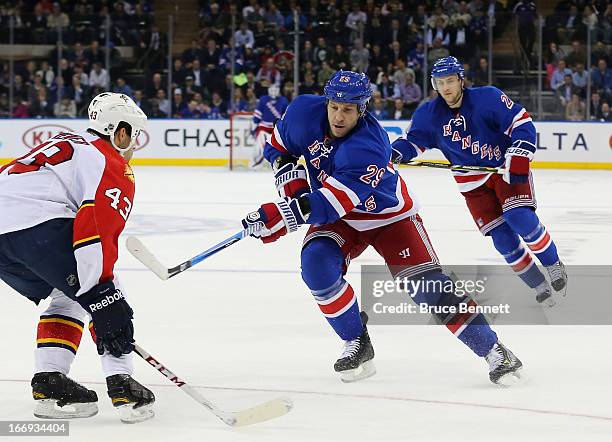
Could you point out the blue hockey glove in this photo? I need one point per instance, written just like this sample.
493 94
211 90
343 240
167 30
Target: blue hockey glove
516 169
290 178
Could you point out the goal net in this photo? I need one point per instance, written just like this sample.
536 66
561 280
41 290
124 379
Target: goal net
241 142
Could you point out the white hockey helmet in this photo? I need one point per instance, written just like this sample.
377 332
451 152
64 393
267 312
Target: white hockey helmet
273 90
108 109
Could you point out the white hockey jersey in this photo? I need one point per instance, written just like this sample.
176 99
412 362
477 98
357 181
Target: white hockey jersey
72 176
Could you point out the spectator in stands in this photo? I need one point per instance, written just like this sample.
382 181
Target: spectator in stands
191 53
309 86
596 104
438 31
197 73
605 114
462 14
554 53
437 51
4 106
325 73
151 47
121 87
410 93
21 110
580 78
576 56
575 110
46 71
239 103
178 104
41 107
163 104
602 77
268 72
253 12
356 22
190 88
38 25
225 57
399 112
210 56
569 25
66 108
401 73
566 90
478 30
263 37
244 36
378 109
481 73
385 87
98 78
559 75
57 90
58 19
459 44
79 93
302 19
94 54
21 91
416 60
36 85
359 57
218 107
273 17
192 111
251 100
339 59
600 52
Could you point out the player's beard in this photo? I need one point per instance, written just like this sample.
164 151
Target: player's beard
456 101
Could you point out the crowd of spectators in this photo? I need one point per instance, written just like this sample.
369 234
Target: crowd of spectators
566 58
387 39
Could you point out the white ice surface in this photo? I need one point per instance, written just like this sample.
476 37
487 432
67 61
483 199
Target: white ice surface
243 328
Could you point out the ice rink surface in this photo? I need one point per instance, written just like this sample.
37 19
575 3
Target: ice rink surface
243 328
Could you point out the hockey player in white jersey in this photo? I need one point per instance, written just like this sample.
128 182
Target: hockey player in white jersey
64 205
270 108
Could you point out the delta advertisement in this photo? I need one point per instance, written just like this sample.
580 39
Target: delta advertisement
206 142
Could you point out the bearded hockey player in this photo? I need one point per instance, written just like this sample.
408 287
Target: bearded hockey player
269 109
64 205
354 198
481 126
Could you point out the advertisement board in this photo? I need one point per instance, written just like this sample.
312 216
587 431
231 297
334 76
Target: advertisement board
206 142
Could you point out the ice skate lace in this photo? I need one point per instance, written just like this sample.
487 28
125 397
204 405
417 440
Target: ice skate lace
556 272
495 357
350 348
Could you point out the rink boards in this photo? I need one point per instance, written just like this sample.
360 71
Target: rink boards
562 144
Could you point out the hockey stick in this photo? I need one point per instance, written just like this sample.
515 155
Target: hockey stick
442 165
259 413
142 254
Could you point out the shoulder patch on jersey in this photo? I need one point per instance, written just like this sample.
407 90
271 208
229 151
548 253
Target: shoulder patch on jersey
129 173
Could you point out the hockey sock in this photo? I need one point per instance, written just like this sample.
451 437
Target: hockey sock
470 328
525 222
58 335
322 262
508 243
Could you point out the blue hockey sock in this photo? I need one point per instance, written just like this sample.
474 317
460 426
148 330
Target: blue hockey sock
508 243
471 328
322 262
525 222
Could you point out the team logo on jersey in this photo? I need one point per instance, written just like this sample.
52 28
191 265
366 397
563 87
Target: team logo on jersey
129 173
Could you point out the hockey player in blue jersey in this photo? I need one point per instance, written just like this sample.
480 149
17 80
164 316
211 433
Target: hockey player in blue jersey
269 109
353 198
481 126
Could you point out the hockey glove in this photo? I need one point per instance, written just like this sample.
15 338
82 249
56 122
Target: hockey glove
290 178
516 169
273 220
112 318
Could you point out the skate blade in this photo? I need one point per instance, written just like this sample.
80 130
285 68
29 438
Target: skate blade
510 379
364 371
48 409
130 415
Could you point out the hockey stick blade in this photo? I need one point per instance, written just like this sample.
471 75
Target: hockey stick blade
259 413
142 254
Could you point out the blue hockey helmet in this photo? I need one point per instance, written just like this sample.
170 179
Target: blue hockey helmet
349 87
444 67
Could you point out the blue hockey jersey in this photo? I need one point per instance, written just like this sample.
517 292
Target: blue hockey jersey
478 134
268 111
351 177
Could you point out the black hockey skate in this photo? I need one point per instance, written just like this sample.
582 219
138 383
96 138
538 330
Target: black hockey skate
558 277
544 295
504 367
355 362
133 401
59 397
